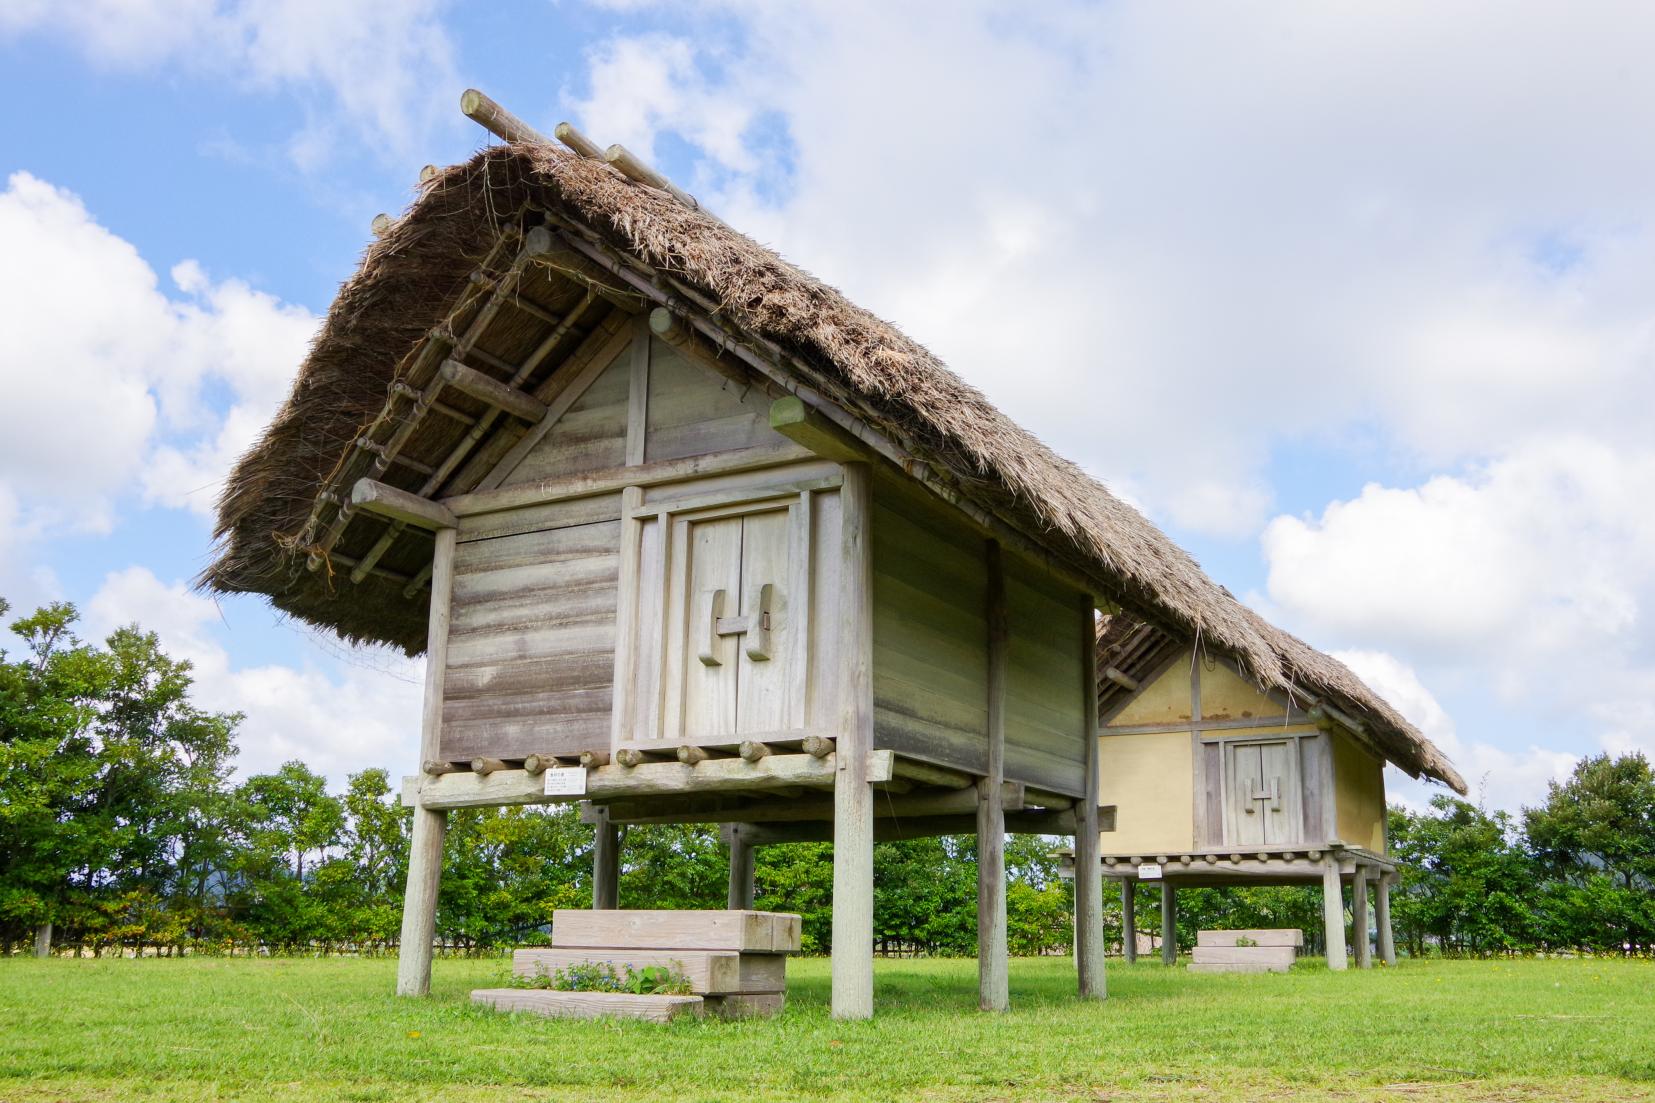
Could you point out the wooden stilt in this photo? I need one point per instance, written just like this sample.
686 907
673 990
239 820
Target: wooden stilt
1169 923
43 939
852 794
606 865
1382 920
1333 914
419 902
993 981
1129 920
1359 919
1088 849
742 855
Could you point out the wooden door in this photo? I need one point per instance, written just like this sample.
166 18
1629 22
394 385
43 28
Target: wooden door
716 643
1261 793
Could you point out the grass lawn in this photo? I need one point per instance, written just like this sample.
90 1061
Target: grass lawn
301 1029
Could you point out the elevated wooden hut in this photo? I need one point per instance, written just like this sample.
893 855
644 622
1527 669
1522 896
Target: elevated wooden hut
687 536
1216 780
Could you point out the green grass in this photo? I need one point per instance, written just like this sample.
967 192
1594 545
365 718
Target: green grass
300 1029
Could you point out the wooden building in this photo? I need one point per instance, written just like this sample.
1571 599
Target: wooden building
687 536
1216 780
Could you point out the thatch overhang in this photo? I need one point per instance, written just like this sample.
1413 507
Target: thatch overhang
1132 651
450 275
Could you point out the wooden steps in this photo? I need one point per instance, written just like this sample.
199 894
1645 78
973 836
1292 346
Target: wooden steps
734 962
1250 951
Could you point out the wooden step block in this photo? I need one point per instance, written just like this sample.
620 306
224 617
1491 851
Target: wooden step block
752 1005
1274 936
1237 967
590 1005
745 931
1244 955
710 972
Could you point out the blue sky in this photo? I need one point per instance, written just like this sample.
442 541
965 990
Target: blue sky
1348 301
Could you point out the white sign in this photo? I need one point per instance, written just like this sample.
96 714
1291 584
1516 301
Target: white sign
1149 871
565 781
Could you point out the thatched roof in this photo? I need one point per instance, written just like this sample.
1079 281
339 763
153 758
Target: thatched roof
412 278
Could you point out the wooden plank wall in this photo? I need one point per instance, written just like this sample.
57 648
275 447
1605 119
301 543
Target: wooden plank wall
531 649
930 635
591 434
692 412
1045 718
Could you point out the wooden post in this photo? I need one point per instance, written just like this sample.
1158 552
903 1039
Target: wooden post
1169 923
1333 913
852 794
993 981
1382 920
606 865
1129 920
742 855
1088 850
419 902
43 939
1359 918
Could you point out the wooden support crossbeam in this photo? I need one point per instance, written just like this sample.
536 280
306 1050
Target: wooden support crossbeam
950 802
491 391
715 775
399 505
894 828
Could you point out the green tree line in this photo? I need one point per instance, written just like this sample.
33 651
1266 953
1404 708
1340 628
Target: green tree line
123 828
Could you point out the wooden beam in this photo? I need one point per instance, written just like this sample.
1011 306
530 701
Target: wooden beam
1359 919
1382 919
606 864
716 775
497 120
1122 679
399 505
1089 948
993 983
1129 920
897 828
631 166
1333 914
952 802
740 896
419 907
926 773
575 140
487 389
853 820
1169 923
801 424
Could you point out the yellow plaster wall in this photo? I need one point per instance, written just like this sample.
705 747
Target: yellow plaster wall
1150 779
1225 695
1164 700
1359 795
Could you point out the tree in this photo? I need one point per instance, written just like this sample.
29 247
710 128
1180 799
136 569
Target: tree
1467 881
1601 818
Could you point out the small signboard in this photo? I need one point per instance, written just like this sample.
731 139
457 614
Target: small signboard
565 781
1148 871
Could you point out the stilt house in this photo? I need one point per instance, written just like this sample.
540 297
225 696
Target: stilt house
1217 780
686 536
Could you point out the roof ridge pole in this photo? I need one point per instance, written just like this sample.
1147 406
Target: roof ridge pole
495 119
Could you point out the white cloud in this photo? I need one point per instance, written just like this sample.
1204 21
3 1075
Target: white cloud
1167 237
1498 777
383 67
106 374
364 710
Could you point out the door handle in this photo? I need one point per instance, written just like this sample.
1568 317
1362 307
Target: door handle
715 613
758 623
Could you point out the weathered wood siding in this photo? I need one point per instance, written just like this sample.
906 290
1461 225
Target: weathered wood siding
930 635
693 412
1045 701
532 634
930 658
591 434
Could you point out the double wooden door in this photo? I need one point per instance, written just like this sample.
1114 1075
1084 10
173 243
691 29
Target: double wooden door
1261 793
